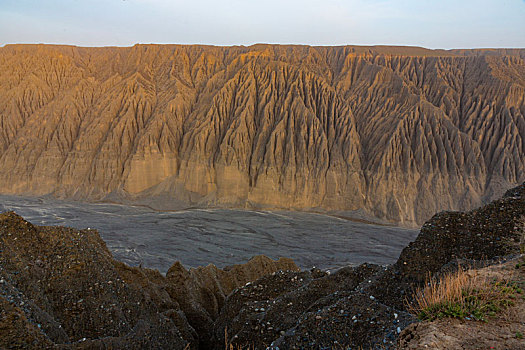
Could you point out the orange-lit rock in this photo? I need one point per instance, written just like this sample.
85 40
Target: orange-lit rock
399 132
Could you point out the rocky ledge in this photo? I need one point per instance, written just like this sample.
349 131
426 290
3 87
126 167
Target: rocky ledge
61 288
366 306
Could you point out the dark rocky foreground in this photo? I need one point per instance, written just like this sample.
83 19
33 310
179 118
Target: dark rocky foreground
61 288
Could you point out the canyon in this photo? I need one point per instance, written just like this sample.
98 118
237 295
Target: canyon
395 133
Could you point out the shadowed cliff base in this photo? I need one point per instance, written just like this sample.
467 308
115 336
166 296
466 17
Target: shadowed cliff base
61 288
399 132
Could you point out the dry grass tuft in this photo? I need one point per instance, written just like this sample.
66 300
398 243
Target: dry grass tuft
449 289
462 295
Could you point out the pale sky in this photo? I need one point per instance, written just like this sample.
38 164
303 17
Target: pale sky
433 24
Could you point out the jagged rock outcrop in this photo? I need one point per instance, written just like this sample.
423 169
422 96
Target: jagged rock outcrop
201 292
366 306
61 288
493 231
66 289
309 310
399 132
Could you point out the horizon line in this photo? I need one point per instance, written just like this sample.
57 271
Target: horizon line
262 43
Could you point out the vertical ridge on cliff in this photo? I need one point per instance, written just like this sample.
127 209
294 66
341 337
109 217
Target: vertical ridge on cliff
397 131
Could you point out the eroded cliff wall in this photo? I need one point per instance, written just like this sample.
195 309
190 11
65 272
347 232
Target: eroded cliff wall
399 132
